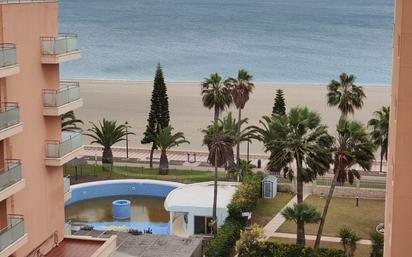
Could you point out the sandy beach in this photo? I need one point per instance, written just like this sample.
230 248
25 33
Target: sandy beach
130 101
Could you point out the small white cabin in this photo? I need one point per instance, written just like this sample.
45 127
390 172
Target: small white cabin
269 187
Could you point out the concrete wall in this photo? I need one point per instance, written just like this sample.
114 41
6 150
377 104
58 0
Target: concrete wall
41 202
398 222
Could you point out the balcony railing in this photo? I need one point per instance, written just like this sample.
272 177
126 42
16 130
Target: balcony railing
66 181
67 93
9 115
70 142
11 174
13 231
62 44
26 1
8 55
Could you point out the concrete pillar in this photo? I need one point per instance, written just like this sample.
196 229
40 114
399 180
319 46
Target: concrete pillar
171 217
190 224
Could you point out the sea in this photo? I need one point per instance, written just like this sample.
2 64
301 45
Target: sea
286 41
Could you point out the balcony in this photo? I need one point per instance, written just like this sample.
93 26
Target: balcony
67 191
59 49
65 150
10 124
11 179
13 236
59 101
8 60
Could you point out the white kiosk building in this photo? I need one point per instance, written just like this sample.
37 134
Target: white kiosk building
190 207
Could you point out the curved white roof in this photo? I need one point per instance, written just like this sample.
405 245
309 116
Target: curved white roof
200 195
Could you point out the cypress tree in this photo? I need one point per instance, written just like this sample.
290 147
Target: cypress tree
159 111
279 108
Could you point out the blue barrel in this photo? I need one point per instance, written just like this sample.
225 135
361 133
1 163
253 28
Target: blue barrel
121 209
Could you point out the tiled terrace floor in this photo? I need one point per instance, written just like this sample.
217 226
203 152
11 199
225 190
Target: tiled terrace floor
75 248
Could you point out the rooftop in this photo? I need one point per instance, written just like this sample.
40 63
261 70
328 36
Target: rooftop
82 247
148 245
200 195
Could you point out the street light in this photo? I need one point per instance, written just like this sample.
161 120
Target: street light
127 141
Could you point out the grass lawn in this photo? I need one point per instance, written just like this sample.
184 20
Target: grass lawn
343 213
266 209
361 251
182 176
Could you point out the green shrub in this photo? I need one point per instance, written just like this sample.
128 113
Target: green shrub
244 200
377 244
271 249
225 239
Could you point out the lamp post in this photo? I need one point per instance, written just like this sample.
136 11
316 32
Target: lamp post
127 141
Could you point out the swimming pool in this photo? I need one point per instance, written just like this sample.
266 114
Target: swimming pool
91 204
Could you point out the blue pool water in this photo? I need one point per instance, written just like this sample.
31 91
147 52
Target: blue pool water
276 40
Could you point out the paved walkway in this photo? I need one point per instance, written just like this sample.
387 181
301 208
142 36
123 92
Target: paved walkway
313 238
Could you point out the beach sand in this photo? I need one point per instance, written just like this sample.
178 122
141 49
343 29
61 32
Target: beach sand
130 101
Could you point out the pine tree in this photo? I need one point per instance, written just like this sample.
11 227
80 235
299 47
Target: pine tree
279 108
159 111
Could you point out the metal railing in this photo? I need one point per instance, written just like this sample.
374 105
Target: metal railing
64 43
69 91
70 142
9 115
26 1
10 174
66 183
12 232
8 55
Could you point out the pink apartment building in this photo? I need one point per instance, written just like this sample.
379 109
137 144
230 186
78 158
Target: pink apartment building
32 146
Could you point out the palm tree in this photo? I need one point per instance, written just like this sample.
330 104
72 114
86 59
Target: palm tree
215 94
220 144
349 240
380 132
70 123
345 94
164 139
353 147
377 244
297 138
232 126
245 167
241 88
301 213
107 133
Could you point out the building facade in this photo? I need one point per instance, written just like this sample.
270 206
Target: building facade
398 223
33 147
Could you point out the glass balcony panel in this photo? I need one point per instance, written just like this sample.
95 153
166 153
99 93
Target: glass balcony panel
8 55
67 93
66 181
9 115
70 142
59 45
12 174
11 233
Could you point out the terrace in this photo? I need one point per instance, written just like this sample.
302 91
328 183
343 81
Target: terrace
59 49
8 60
59 101
13 236
10 123
11 180
58 152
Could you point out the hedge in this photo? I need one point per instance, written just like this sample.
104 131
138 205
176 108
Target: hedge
244 200
272 249
226 238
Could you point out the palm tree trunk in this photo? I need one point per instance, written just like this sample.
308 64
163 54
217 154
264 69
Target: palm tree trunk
300 226
381 164
215 198
300 235
326 208
107 157
163 164
151 156
238 143
216 118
